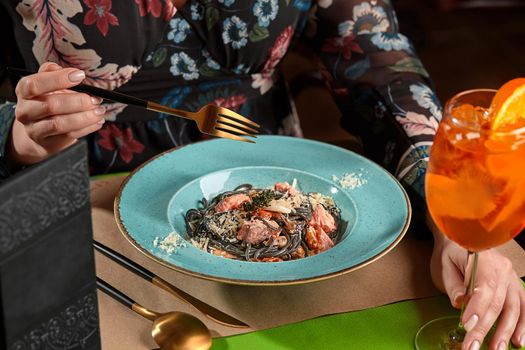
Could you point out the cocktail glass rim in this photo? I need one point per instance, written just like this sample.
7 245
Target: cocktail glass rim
449 106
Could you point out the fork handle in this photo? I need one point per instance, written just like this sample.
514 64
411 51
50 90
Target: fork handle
92 90
111 95
152 106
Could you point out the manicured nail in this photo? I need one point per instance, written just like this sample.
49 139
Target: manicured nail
101 121
474 345
502 345
77 76
49 64
456 298
100 110
471 323
96 100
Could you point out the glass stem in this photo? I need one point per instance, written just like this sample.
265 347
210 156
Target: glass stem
456 336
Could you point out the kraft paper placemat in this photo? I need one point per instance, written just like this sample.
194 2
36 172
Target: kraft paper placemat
402 274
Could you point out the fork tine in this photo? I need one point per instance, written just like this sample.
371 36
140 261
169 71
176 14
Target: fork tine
233 130
234 124
225 112
228 135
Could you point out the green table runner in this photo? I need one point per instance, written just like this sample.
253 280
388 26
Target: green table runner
387 327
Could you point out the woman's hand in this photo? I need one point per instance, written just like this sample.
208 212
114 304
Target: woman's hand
498 293
49 117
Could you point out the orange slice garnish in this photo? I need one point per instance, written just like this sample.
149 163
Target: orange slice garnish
508 105
463 198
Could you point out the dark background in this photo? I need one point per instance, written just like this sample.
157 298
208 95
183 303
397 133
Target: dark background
474 44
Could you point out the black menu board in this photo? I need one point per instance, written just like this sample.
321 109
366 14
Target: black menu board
47 274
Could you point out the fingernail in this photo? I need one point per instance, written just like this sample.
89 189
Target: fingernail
49 63
522 340
100 110
474 345
96 100
458 295
101 121
77 76
502 345
471 323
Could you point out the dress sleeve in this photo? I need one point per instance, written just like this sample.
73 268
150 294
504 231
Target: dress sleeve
7 116
381 86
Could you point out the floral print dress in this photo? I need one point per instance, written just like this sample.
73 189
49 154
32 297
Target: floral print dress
227 52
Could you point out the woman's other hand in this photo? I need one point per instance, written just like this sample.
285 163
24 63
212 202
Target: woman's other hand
498 293
48 117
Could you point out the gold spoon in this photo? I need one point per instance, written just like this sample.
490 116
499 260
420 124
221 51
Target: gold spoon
210 312
171 331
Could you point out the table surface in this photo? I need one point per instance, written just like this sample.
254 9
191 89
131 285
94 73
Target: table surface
391 326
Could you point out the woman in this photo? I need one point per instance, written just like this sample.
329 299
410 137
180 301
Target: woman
188 54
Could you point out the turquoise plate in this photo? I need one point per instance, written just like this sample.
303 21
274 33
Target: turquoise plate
152 200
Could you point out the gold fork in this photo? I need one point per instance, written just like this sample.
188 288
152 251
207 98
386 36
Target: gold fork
210 119
214 120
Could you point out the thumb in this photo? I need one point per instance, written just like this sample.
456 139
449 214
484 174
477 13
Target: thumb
49 67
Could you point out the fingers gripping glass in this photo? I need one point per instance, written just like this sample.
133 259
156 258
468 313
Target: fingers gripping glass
475 192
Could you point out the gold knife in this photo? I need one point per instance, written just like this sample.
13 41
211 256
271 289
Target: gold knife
208 310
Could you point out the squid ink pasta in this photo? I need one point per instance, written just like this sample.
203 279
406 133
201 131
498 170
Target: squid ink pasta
267 225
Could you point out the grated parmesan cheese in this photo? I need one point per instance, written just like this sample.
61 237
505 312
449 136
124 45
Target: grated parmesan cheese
227 224
201 243
350 180
318 198
170 243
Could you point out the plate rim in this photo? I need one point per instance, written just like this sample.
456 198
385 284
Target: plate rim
243 282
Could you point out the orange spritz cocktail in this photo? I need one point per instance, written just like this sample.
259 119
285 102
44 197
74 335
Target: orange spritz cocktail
475 184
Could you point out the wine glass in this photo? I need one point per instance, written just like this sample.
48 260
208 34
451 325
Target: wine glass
475 191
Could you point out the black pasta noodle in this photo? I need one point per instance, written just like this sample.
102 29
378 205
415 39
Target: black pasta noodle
216 232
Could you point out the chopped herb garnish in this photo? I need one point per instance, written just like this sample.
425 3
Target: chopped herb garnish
260 200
